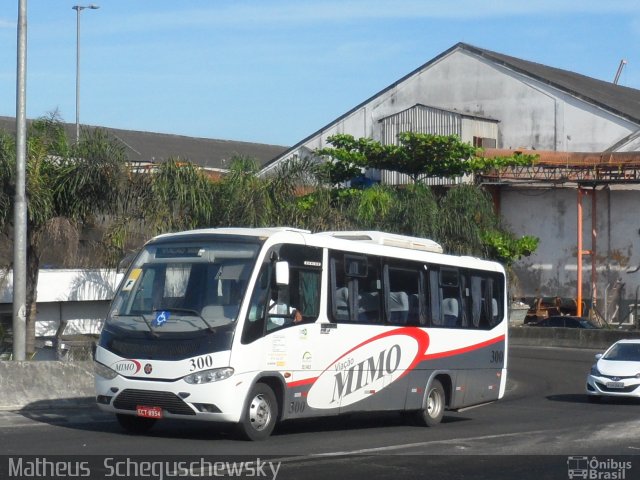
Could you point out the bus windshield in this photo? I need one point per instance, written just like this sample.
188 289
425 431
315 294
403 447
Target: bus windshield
183 287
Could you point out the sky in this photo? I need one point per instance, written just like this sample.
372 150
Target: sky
276 71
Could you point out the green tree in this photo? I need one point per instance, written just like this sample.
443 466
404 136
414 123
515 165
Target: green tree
422 155
244 196
462 219
465 213
178 196
67 186
416 212
417 155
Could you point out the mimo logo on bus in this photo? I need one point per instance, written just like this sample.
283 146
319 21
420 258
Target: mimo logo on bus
368 368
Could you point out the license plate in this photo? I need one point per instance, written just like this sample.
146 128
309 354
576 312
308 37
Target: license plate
615 384
149 412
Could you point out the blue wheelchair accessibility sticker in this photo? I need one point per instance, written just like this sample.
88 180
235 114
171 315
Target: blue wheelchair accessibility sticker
161 319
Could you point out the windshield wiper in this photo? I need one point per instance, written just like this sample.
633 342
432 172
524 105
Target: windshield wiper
151 330
191 311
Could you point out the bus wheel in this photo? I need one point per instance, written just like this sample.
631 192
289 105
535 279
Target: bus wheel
260 415
433 410
133 424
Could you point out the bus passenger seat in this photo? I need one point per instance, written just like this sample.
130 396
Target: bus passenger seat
398 307
369 307
494 311
342 303
450 312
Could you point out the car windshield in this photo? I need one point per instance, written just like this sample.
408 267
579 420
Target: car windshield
183 287
624 352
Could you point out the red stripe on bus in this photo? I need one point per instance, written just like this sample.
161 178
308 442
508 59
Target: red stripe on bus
459 351
301 383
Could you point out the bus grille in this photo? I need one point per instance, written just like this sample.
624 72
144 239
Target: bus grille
167 350
129 399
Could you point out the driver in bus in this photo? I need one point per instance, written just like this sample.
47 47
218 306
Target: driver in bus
279 305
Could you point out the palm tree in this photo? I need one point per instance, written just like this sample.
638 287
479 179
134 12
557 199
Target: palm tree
67 187
415 212
176 195
465 213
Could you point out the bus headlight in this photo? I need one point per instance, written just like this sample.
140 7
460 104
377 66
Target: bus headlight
208 376
104 371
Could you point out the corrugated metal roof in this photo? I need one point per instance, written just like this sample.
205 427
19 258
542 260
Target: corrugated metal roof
157 147
618 99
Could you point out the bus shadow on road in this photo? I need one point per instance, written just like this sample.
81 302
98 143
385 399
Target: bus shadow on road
83 414
65 411
356 421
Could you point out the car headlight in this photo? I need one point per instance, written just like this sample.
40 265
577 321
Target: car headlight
595 371
104 371
208 376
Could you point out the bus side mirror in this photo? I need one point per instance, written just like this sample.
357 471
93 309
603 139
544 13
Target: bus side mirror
282 273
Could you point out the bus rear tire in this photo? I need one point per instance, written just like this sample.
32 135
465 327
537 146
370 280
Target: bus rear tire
260 414
433 411
133 424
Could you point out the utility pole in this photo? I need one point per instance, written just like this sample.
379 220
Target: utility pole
20 202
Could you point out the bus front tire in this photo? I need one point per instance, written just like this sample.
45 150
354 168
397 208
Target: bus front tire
433 411
133 424
260 414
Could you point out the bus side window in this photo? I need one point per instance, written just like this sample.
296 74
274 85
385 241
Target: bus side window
309 294
478 303
485 301
402 287
367 282
355 288
339 298
450 301
303 291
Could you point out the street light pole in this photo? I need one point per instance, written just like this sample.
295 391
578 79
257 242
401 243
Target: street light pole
78 9
20 202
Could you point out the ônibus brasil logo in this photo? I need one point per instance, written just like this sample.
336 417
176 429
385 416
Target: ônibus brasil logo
368 368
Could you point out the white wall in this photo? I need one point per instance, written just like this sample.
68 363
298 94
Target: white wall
551 214
79 296
82 317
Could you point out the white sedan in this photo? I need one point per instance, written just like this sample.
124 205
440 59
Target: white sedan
616 372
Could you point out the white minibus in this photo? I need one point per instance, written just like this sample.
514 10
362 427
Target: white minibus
256 326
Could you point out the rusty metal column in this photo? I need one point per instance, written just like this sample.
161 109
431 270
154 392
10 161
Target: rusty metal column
579 256
582 252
